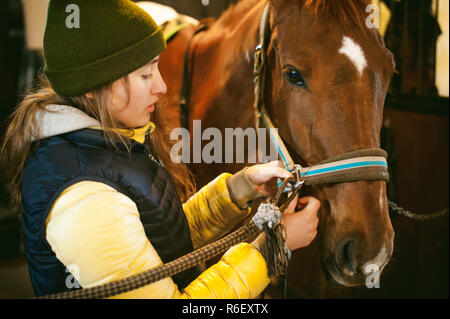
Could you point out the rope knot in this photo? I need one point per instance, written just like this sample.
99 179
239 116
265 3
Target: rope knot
275 250
267 214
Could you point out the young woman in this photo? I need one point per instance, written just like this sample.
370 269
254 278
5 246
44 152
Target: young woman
87 161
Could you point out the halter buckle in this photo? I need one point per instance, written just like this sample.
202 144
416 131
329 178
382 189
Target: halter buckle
293 185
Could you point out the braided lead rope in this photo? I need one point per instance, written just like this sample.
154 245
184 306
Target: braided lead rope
421 217
166 270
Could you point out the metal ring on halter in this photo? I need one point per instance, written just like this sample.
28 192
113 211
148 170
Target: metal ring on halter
292 185
282 190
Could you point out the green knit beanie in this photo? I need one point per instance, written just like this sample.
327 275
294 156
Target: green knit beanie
112 39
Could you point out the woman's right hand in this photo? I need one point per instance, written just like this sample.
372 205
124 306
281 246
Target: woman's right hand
301 226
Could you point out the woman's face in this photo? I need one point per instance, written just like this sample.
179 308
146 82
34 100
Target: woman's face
133 107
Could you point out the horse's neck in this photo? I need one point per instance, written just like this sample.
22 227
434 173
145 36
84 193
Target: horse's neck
225 53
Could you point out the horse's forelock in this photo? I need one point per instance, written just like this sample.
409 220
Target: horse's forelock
350 14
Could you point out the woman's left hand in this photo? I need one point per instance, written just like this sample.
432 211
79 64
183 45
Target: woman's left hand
264 176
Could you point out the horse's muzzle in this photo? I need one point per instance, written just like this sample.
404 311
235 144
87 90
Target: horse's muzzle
348 268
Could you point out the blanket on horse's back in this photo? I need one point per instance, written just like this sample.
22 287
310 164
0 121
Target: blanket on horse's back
168 18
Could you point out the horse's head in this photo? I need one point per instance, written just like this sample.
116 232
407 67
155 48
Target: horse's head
329 75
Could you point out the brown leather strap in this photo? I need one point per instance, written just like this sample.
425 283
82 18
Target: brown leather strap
186 82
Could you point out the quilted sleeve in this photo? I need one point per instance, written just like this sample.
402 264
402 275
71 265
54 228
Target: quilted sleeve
218 207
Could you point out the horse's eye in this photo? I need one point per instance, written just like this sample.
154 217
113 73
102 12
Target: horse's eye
293 75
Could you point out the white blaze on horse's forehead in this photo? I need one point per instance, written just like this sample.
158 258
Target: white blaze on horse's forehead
355 53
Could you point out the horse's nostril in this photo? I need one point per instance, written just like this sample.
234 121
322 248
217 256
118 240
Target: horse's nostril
346 261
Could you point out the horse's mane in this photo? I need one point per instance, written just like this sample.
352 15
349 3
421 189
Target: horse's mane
234 10
349 13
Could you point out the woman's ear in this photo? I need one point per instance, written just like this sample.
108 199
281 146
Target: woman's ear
89 95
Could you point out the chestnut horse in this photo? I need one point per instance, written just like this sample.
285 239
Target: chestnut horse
327 81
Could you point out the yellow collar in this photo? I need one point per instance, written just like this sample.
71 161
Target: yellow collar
137 134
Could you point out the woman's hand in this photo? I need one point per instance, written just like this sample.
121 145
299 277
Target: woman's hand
301 226
263 176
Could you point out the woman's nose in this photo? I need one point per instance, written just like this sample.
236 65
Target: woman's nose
159 87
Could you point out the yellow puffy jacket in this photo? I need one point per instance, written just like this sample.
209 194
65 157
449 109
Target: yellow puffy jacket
96 233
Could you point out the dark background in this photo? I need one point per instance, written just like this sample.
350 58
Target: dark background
415 135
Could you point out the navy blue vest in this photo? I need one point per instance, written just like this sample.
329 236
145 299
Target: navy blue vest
63 160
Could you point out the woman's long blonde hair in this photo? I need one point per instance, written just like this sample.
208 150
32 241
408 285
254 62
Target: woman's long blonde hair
23 128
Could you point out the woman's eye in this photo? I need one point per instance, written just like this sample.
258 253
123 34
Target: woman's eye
146 76
293 75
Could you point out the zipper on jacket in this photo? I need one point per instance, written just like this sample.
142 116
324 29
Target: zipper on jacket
150 156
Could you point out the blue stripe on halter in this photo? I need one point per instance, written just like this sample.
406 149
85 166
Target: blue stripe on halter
275 142
285 162
343 167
